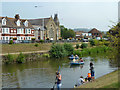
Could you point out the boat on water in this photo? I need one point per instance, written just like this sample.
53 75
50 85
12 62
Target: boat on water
71 58
76 63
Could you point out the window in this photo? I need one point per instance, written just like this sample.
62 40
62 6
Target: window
11 30
3 21
20 31
15 31
3 30
29 38
18 22
26 23
29 31
3 38
6 38
18 38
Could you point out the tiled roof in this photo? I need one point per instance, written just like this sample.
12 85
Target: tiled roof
94 30
39 21
11 22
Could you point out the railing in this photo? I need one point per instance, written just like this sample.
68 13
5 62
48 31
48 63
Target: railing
37 41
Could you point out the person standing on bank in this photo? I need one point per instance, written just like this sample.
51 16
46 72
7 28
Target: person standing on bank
58 78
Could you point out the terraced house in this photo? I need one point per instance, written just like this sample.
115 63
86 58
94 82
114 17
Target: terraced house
15 29
46 28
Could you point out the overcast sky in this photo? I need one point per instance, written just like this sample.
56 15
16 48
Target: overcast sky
92 14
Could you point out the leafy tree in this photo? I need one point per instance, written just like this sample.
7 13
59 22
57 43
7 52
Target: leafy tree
69 48
20 58
67 33
58 51
84 45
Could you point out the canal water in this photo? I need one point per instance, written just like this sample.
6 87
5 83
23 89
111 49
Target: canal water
41 73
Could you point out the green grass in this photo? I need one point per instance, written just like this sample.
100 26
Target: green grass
13 48
113 85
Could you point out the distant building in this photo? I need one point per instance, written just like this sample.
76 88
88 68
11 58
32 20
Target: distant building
82 34
95 33
46 28
15 29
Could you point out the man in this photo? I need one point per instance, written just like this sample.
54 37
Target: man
58 78
80 81
91 64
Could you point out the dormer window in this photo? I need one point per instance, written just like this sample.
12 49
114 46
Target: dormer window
26 23
18 22
3 21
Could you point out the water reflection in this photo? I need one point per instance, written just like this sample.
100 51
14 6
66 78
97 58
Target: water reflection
41 74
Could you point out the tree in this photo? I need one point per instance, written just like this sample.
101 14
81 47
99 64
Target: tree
67 33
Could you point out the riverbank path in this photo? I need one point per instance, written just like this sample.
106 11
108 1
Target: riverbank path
42 51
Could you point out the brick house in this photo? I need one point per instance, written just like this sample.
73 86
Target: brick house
95 33
46 28
15 29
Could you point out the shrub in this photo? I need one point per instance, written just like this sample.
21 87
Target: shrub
9 59
58 51
46 55
77 52
77 46
92 43
41 41
96 42
106 43
69 48
20 58
11 42
36 45
84 45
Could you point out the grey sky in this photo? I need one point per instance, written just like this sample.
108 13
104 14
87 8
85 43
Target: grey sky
71 14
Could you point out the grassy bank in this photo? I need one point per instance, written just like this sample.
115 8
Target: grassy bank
107 81
13 48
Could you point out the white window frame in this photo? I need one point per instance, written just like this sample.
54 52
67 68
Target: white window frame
26 23
11 31
18 22
6 30
20 31
3 21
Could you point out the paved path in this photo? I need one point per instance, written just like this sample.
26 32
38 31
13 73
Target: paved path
42 51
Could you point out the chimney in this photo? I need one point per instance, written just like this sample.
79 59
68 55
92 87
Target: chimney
55 17
17 16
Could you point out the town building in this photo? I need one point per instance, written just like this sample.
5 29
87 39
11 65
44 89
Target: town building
96 34
46 28
83 35
15 29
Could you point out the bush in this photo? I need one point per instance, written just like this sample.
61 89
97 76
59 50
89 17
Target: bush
96 42
92 43
84 45
69 48
41 41
58 51
9 59
46 55
20 58
106 43
77 46
77 52
11 42
36 45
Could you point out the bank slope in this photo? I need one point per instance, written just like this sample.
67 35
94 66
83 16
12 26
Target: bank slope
103 81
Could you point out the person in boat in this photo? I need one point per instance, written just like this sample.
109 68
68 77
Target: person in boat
58 78
72 55
74 60
76 57
81 60
80 81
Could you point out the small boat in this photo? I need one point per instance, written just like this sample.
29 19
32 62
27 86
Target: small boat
76 63
71 58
